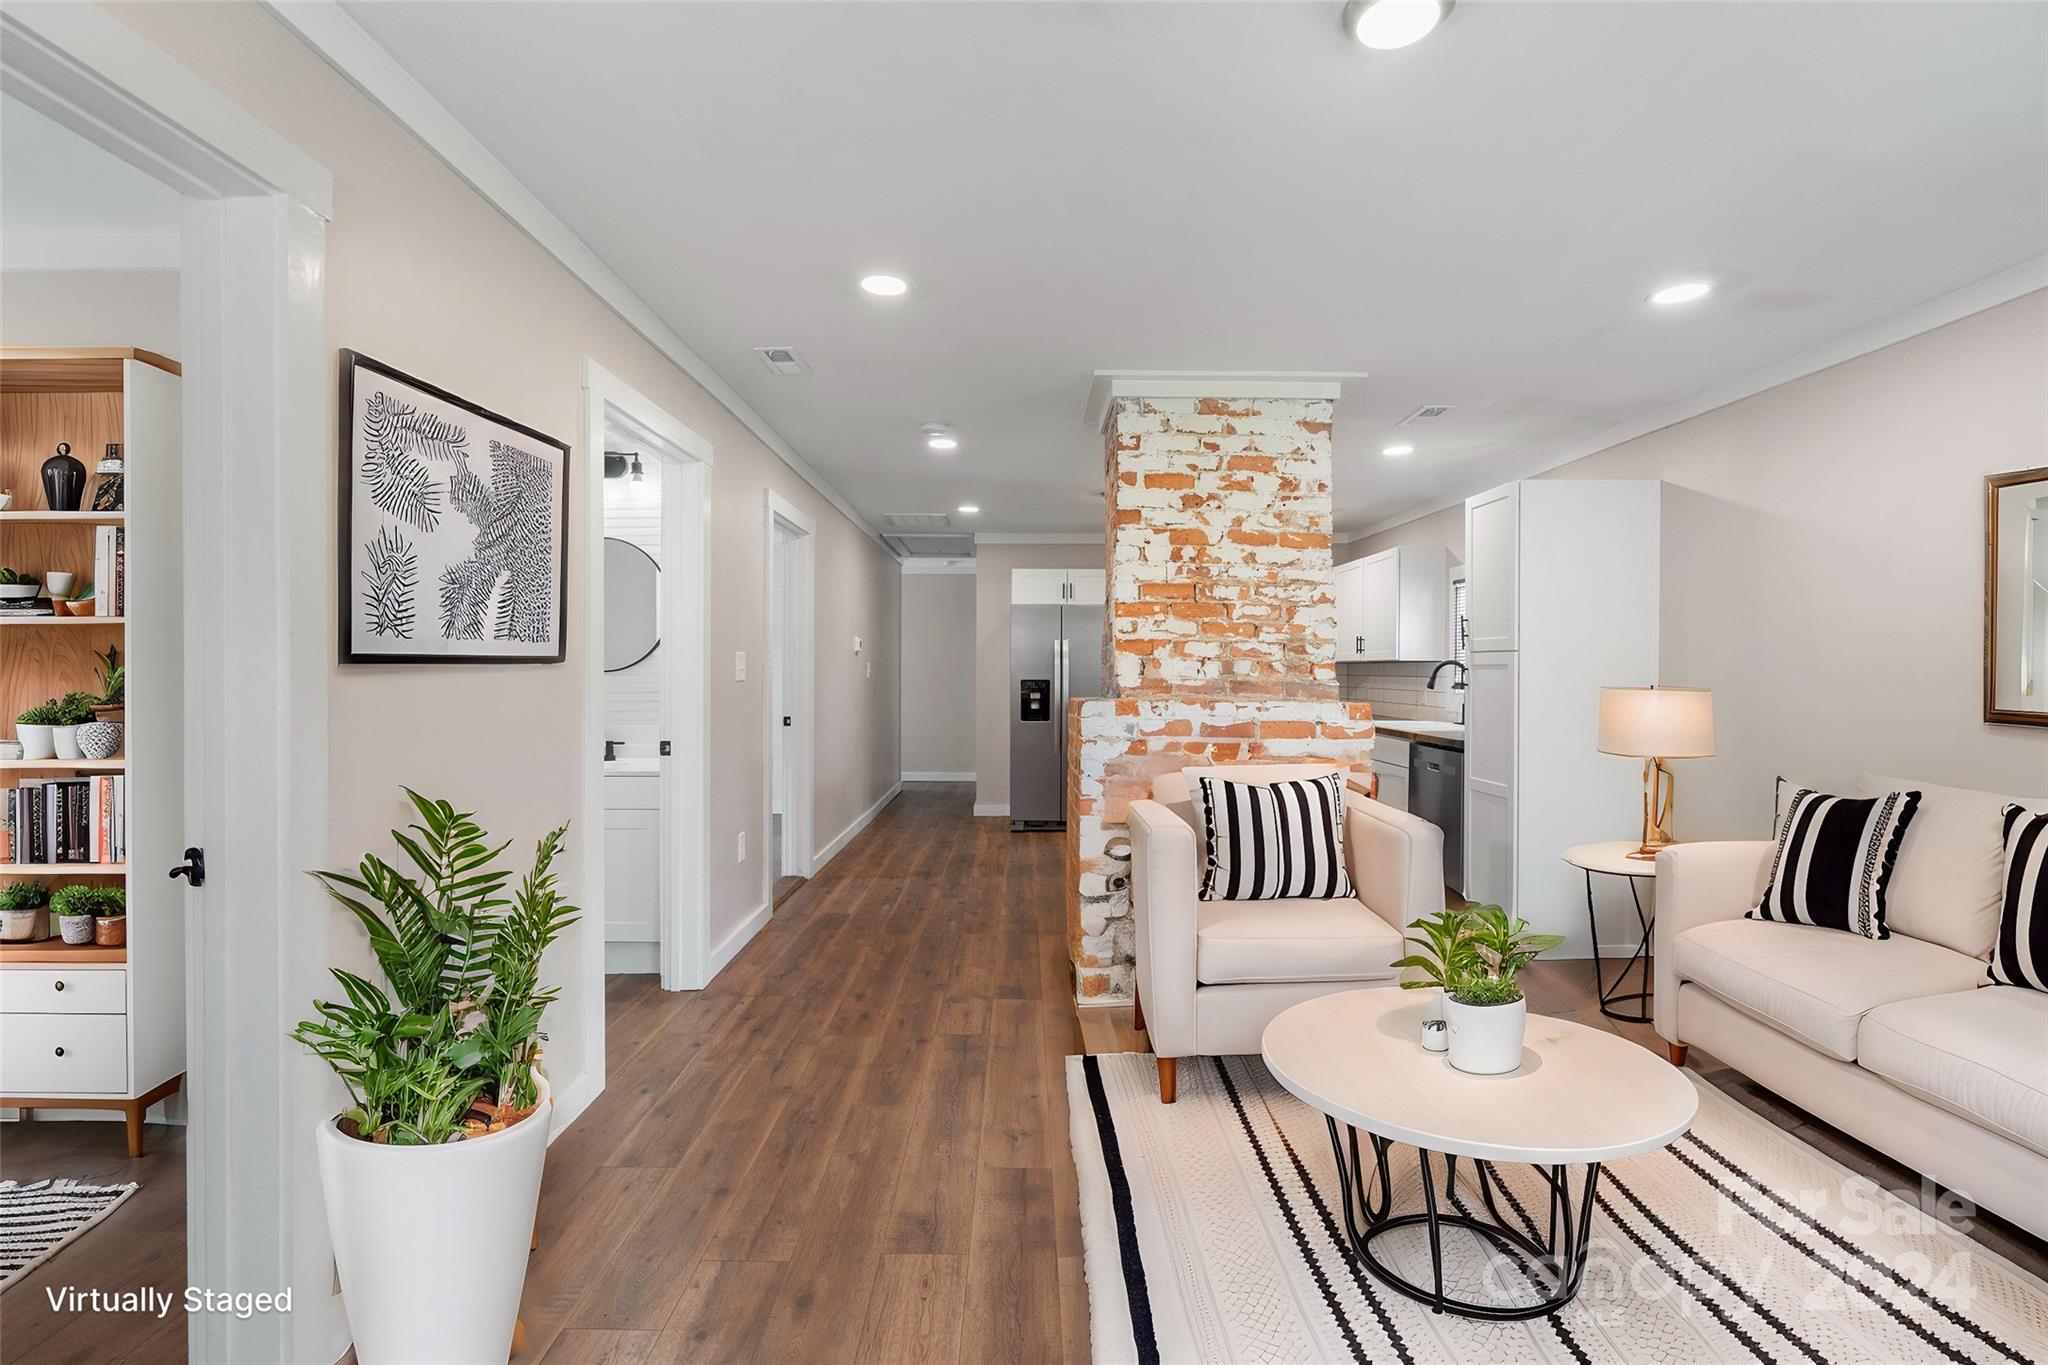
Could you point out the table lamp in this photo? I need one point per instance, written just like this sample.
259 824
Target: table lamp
1656 724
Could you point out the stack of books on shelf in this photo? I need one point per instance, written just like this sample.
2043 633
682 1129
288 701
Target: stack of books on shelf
110 569
70 820
15 607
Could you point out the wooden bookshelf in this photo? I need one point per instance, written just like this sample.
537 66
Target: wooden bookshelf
32 518
54 952
114 621
63 869
63 765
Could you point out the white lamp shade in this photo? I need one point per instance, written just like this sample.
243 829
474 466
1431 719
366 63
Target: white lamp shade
1657 722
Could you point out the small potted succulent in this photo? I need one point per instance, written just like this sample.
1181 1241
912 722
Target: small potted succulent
109 916
1484 1009
24 912
113 703
36 729
1443 954
100 737
73 907
73 710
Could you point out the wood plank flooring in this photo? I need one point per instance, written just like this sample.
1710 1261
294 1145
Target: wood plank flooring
851 1147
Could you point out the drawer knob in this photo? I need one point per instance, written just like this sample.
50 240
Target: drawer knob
60 1052
60 985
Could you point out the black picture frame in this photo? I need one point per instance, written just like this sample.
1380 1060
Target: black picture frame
353 647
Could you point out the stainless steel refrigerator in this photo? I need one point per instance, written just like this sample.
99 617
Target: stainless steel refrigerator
1055 656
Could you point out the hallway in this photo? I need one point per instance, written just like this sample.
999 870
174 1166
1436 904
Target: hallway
853 1145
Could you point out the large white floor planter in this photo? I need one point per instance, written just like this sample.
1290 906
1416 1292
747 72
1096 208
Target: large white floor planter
431 1242
1486 1040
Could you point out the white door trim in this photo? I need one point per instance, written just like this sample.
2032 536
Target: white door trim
685 914
800 602
258 394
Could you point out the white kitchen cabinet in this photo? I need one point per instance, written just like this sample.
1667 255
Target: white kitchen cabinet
1087 587
1390 760
1059 587
1395 606
1562 598
1350 612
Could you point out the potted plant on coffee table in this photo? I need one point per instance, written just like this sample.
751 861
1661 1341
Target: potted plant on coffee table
432 1173
73 907
24 912
36 729
1484 1009
1443 954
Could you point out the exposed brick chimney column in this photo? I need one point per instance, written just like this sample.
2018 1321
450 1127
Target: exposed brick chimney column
1222 632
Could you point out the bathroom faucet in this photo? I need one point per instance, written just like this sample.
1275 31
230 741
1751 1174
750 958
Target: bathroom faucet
1458 686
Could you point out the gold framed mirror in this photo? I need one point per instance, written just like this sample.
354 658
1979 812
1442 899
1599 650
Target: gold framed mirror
2016 598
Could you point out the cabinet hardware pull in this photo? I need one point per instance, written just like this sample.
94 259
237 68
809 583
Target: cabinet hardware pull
60 1052
60 985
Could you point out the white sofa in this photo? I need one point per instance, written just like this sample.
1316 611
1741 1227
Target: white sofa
1902 1043
1212 974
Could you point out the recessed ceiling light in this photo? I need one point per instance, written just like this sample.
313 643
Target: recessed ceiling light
1397 450
968 509
1388 24
1690 291
885 286
942 442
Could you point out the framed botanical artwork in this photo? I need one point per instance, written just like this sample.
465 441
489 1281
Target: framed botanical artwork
454 527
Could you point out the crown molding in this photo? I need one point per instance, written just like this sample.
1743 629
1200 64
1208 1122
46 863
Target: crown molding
343 44
1989 292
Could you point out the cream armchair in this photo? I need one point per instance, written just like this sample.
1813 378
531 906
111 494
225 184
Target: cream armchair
1212 974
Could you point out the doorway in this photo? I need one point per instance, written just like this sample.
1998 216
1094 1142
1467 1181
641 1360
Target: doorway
790 600
645 697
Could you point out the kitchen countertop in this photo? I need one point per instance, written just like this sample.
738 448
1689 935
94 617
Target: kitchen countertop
1447 734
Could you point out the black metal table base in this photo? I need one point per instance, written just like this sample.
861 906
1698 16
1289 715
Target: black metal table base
1613 996
1552 1267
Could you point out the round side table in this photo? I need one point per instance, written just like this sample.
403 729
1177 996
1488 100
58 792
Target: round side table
1612 860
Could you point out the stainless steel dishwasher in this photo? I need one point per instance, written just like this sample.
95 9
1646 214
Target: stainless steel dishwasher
1436 792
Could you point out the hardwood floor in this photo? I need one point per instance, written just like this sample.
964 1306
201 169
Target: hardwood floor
851 1147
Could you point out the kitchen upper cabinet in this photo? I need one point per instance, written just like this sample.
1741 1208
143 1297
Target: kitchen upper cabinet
1398 604
1492 566
1087 587
1059 587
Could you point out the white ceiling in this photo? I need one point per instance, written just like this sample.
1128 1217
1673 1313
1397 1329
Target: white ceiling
1475 220
66 204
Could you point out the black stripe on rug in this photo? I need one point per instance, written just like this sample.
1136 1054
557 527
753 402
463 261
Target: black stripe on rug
1301 1240
1842 1244
1522 1263
1720 1314
1126 1226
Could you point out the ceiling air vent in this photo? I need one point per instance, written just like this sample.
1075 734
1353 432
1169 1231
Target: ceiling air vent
1428 412
782 359
916 521
954 546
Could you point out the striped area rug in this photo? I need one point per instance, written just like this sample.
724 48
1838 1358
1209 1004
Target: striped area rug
39 1218
1212 1232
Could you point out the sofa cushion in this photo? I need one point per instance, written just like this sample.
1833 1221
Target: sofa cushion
1945 883
1976 1053
1834 860
1292 940
1274 841
2019 956
1814 983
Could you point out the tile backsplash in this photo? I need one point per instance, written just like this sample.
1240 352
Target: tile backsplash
1396 691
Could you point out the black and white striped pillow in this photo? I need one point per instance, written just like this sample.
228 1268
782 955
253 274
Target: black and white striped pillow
1274 842
1834 858
2019 955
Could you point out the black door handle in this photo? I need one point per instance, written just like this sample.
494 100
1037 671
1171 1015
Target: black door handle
787 722
193 867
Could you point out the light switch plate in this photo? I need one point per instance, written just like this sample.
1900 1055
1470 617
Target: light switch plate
743 846
856 644
739 666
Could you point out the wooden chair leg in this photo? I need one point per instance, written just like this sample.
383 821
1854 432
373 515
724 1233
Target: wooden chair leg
1678 1051
1137 1011
1168 1078
132 1111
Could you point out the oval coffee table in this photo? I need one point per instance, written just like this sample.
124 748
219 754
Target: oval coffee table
1580 1098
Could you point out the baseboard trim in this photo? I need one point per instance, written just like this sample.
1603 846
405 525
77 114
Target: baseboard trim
938 777
846 836
739 938
991 808
631 957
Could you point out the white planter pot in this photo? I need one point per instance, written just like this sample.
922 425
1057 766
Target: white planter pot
24 926
36 741
1434 1039
65 739
1486 1040
431 1242
76 929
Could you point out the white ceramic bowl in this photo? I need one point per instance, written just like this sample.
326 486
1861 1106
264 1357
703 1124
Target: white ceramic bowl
20 592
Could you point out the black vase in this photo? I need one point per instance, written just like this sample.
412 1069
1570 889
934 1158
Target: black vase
63 480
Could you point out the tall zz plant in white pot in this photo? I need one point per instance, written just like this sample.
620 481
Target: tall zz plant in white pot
432 1174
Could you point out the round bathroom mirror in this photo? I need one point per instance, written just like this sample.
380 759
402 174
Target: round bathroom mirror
632 611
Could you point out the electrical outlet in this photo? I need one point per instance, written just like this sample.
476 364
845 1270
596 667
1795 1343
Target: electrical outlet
739 666
743 846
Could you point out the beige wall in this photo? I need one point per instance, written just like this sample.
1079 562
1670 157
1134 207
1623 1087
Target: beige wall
1823 566
1446 528
938 673
426 276
992 565
90 308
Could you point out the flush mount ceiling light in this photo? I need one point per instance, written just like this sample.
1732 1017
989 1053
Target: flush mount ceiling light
1688 291
942 442
884 286
1397 450
1388 24
968 509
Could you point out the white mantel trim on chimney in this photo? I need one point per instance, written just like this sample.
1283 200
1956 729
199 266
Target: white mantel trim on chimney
1114 384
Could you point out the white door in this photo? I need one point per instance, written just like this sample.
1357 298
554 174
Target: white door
1379 595
1350 612
1490 780
1492 528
